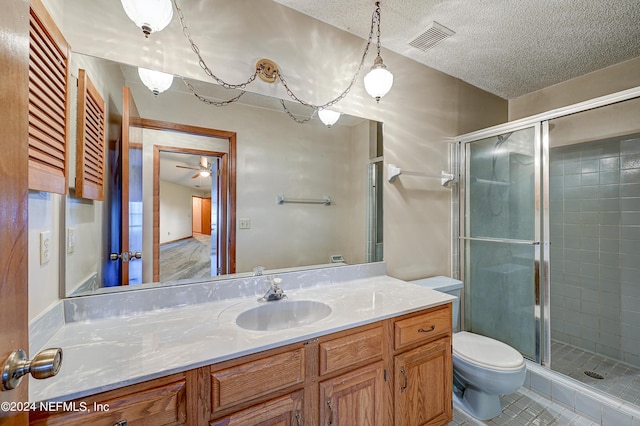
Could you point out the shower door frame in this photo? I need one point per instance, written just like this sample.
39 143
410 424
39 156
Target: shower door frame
539 258
541 182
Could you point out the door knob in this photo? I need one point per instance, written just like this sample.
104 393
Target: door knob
45 364
126 256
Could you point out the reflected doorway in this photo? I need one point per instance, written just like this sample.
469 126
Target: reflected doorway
165 137
188 213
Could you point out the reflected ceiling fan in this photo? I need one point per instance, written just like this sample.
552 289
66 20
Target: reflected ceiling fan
204 168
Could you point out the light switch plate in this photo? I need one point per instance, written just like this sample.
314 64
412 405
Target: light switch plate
244 223
71 240
45 247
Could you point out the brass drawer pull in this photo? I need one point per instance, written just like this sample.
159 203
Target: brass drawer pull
330 422
406 380
422 330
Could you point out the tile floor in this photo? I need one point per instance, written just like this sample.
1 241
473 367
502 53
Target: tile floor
620 380
524 408
547 396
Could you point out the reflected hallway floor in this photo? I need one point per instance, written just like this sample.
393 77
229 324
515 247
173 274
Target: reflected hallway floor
188 258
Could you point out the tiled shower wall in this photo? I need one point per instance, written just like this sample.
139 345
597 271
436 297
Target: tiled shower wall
595 246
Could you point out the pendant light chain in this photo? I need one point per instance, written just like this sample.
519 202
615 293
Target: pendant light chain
376 14
375 21
294 118
209 101
202 63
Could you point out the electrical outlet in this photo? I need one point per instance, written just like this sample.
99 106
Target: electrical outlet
45 247
244 223
71 240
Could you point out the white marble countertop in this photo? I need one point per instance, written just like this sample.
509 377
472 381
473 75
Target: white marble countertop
107 353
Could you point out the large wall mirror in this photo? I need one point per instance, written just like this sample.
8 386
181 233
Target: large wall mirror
218 190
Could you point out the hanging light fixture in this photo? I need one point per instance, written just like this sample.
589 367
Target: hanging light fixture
328 117
155 81
205 167
379 79
150 15
377 82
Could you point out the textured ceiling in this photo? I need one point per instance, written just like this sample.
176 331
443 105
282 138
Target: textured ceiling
506 47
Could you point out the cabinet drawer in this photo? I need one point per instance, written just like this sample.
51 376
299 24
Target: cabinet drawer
422 327
159 405
252 380
350 350
286 410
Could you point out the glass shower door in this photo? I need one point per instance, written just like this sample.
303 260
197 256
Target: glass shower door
501 238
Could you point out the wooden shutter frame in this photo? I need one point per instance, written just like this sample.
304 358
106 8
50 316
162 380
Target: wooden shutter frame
90 141
42 177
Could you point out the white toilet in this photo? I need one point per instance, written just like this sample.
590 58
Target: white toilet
483 368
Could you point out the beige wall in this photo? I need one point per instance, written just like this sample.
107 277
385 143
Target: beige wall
613 79
44 215
176 205
611 121
421 114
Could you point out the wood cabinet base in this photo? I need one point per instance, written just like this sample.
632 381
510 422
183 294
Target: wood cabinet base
397 371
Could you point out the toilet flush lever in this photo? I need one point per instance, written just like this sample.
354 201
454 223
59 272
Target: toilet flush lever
44 365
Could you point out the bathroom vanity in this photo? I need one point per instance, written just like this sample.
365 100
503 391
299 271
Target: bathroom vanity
383 356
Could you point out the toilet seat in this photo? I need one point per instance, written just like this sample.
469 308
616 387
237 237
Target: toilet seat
486 352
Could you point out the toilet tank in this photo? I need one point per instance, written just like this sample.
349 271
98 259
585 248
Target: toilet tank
445 285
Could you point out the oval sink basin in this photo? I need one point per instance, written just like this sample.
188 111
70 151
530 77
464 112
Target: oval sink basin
283 314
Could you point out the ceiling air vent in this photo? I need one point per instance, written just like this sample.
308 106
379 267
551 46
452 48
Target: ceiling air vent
432 36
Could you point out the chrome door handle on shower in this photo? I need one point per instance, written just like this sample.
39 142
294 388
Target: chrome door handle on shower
501 240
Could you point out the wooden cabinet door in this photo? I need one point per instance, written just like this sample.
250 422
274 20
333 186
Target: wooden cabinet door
354 398
423 385
283 411
14 195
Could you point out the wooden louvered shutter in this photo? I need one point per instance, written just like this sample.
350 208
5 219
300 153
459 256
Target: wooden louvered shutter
49 102
91 140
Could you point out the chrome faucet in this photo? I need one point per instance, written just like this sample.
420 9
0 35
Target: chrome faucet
274 292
